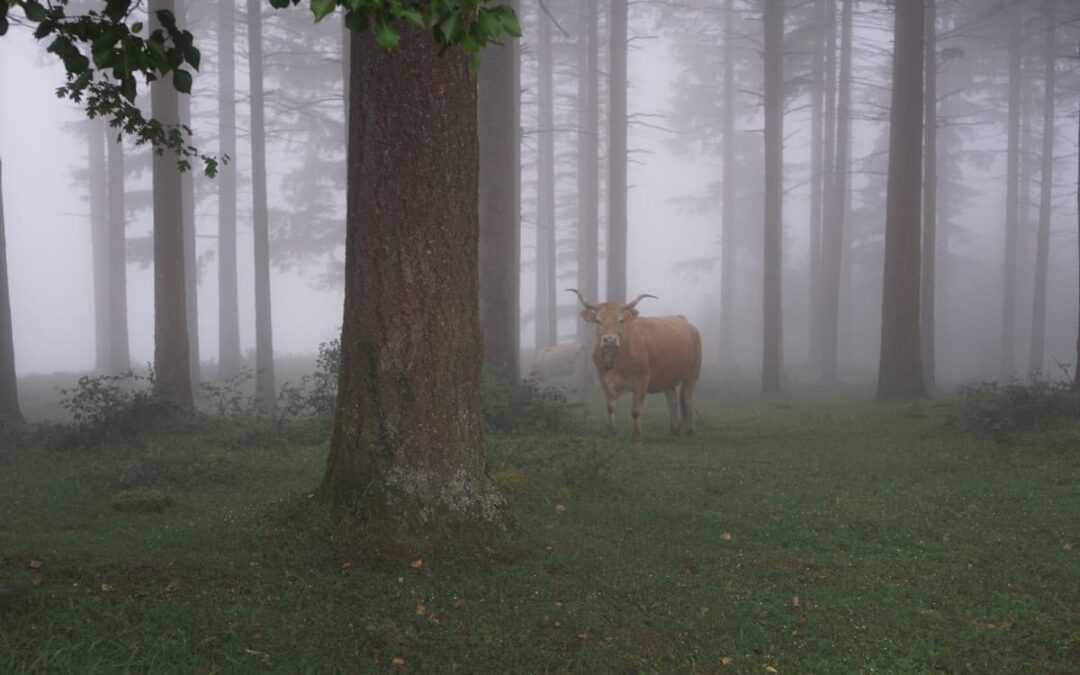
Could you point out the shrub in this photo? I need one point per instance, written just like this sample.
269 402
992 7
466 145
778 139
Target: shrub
527 406
1006 411
109 406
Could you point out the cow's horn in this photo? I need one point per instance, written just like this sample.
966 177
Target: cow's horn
581 297
630 305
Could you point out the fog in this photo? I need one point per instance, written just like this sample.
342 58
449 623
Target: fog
674 204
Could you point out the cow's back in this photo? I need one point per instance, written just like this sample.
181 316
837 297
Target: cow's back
672 346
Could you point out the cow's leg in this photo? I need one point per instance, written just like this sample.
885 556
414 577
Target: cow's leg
611 399
636 407
673 410
686 400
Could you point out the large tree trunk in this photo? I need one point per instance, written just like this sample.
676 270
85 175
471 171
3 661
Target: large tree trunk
547 326
172 368
773 357
1012 205
901 370
9 390
617 155
99 241
500 205
930 186
191 272
119 355
727 237
408 438
588 169
265 388
228 300
1042 251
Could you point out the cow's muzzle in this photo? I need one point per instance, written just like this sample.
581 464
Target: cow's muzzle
608 352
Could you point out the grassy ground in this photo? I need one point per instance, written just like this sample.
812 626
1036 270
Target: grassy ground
810 538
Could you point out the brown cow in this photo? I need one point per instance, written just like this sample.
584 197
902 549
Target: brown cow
645 355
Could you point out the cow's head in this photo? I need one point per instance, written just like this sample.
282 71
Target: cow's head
611 320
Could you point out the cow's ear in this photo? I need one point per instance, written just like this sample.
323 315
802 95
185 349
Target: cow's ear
589 315
629 314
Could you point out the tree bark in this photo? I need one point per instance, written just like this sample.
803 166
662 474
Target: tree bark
265 388
119 354
930 187
500 204
9 389
97 186
547 333
172 368
1008 313
408 437
1037 356
772 362
901 370
617 155
1076 374
588 169
228 294
728 239
817 187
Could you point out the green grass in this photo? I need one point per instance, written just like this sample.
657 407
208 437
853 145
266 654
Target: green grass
910 547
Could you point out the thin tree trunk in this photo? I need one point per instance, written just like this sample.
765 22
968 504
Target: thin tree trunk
901 371
346 38
500 204
228 300
836 206
99 241
408 438
1076 374
1008 313
588 170
772 363
265 388
1037 356
930 187
172 367
9 389
824 302
728 239
817 187
191 272
546 317
617 155
119 355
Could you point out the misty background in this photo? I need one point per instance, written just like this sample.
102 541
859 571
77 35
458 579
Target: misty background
675 187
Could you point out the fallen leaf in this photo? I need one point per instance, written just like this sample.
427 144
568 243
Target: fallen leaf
105 588
559 508
421 610
1067 547
417 564
397 662
726 661
38 579
459 603
236 624
726 536
794 601
583 636
771 669
558 624
35 564
256 636
703 611
346 565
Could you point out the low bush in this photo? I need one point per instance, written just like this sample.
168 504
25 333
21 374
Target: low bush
1006 411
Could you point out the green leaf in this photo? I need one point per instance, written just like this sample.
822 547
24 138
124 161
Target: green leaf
182 81
3 25
387 36
34 11
137 27
193 56
510 21
321 8
357 22
166 18
279 4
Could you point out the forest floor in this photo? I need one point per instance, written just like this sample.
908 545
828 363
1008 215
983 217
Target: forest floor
810 537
